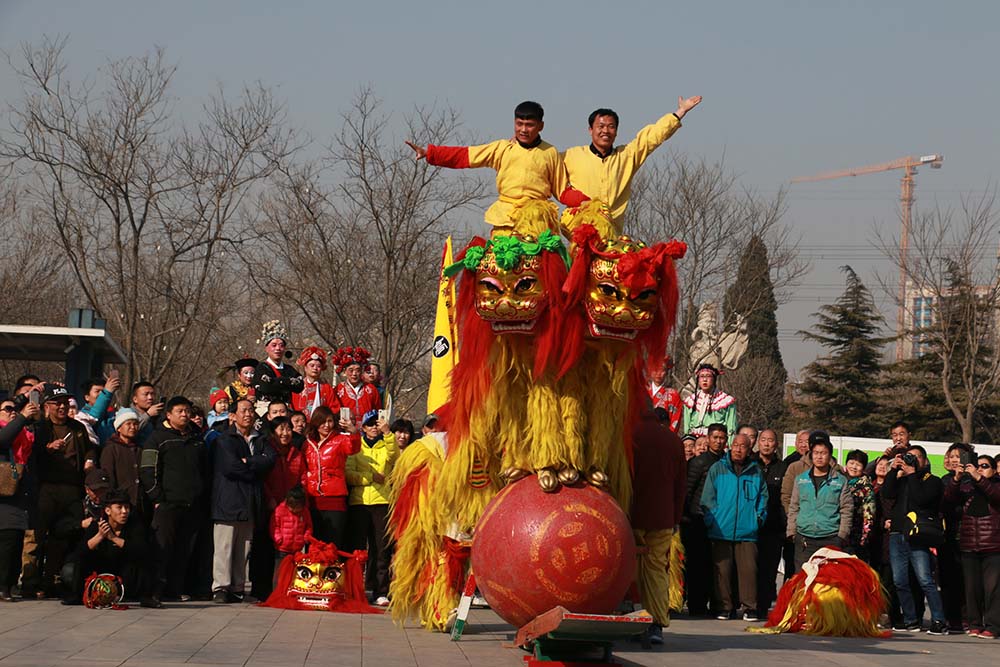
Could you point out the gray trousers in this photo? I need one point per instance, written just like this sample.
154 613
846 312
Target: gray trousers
232 547
742 555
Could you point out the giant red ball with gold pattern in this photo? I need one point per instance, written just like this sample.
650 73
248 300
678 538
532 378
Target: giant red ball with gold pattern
533 551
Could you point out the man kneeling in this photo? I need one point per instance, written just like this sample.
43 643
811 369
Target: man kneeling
110 545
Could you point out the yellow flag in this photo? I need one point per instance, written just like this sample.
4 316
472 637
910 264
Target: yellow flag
444 349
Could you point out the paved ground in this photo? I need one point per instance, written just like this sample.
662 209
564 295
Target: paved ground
39 633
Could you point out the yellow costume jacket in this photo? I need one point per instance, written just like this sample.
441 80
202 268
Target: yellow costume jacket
523 174
609 179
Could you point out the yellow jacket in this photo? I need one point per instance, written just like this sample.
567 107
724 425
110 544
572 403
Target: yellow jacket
523 174
380 458
609 179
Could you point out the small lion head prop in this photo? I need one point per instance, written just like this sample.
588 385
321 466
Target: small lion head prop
322 579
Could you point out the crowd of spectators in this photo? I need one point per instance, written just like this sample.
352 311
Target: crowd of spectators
934 538
181 502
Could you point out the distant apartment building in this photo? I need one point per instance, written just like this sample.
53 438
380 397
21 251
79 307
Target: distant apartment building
919 314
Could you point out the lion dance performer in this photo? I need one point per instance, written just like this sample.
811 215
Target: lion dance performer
624 295
521 403
504 419
628 292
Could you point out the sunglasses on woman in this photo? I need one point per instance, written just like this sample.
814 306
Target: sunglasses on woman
984 466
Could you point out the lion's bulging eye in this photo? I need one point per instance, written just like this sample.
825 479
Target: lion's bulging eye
608 289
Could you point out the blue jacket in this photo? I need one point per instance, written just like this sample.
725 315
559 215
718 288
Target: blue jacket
105 426
823 513
735 506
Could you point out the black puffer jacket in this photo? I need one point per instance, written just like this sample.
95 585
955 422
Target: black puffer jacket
774 475
696 473
173 465
979 531
919 493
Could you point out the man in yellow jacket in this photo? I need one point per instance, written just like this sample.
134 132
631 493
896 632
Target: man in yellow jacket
367 474
528 170
603 171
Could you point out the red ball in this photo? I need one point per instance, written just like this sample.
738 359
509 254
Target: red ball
533 551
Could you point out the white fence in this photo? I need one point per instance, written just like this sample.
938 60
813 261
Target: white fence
843 444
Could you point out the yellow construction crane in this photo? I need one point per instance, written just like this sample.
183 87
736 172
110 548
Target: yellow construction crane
909 166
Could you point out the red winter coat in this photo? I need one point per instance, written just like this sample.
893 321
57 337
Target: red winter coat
325 462
361 401
290 530
289 468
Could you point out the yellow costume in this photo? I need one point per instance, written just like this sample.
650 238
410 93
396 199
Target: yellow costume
652 574
421 585
523 174
609 179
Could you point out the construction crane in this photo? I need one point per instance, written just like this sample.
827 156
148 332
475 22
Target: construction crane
909 166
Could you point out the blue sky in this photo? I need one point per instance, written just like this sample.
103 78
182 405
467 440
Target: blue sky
791 88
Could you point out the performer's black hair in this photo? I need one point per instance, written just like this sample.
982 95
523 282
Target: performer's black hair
601 112
529 110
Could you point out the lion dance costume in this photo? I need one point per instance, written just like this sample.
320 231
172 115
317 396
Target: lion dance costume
548 377
834 595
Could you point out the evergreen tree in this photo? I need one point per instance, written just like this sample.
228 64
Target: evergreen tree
751 296
839 390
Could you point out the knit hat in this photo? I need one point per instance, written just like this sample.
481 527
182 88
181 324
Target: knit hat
216 396
272 329
124 415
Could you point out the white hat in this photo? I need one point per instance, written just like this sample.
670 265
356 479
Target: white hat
124 415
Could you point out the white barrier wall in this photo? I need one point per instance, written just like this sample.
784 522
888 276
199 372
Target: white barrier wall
844 444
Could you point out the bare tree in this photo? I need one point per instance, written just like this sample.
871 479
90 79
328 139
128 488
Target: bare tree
142 208
354 242
703 205
952 300
756 407
33 288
